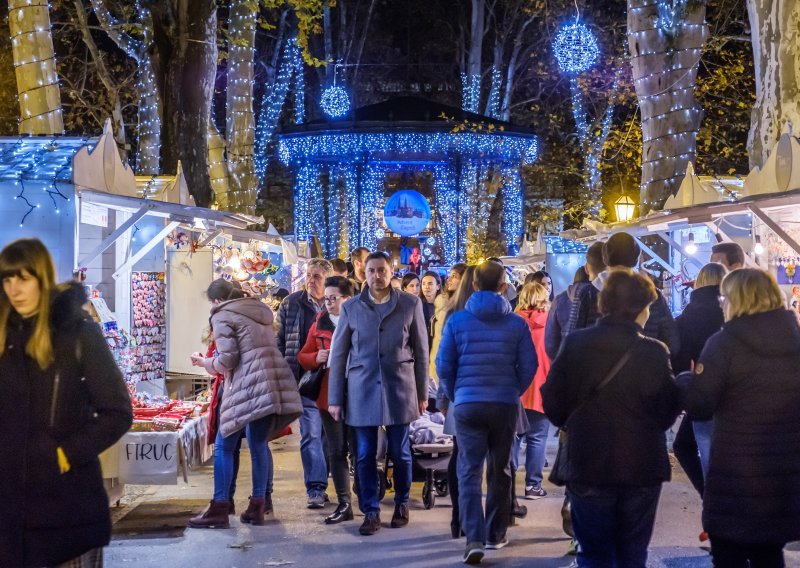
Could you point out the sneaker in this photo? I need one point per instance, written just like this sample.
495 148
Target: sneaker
316 500
473 553
535 491
497 545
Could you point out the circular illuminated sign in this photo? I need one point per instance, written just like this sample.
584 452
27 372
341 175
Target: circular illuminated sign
407 213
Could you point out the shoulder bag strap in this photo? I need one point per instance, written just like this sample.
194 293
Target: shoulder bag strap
607 379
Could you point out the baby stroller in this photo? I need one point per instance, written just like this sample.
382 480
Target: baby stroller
432 459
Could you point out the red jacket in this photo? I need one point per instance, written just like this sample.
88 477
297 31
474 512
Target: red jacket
532 398
319 337
214 402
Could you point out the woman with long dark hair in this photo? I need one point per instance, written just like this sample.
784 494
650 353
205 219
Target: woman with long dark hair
64 401
259 395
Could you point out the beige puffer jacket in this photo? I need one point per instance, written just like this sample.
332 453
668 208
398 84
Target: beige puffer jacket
258 381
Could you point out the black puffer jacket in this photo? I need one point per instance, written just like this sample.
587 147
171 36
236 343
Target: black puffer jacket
700 319
748 380
296 314
81 405
617 438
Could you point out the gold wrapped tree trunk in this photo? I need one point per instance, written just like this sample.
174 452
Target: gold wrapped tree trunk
35 66
665 42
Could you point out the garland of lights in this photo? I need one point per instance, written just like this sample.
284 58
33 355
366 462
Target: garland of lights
297 148
447 209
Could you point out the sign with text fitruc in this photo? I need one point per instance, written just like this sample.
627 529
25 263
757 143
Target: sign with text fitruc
149 458
407 213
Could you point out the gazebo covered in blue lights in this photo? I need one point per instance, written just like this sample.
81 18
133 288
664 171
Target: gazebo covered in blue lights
346 170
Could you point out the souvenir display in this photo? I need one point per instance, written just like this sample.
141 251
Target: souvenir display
149 331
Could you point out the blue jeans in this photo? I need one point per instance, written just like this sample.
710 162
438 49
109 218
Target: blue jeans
702 434
485 433
366 438
613 524
312 451
260 456
535 446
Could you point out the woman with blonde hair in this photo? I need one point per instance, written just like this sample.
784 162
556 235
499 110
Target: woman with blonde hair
64 401
747 381
701 319
533 305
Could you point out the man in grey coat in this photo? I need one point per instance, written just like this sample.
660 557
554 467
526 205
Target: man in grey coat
379 377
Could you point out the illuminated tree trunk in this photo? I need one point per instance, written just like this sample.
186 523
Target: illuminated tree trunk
665 41
240 122
149 119
185 63
775 26
471 77
35 66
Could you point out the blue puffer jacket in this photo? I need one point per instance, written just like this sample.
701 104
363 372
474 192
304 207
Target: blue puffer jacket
486 353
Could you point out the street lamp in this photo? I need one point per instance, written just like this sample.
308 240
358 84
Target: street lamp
624 207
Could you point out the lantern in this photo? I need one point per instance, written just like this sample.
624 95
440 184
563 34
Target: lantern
624 207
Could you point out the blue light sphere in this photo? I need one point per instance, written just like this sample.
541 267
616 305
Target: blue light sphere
334 102
575 48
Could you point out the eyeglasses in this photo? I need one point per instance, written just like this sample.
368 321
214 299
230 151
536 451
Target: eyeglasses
332 299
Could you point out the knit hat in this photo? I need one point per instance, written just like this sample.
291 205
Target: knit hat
621 250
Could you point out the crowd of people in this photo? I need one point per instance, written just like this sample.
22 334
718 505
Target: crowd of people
357 357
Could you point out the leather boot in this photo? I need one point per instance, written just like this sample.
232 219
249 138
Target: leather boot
215 517
268 504
255 511
232 510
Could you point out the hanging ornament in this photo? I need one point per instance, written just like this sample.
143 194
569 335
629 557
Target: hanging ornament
335 103
575 48
380 233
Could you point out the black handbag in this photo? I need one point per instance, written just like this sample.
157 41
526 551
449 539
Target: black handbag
560 471
311 382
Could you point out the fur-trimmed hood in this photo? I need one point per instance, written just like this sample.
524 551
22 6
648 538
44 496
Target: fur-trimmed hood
66 307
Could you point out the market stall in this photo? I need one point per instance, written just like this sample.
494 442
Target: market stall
761 212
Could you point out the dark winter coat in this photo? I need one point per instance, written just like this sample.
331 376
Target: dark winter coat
296 314
748 381
617 438
701 319
378 366
258 381
319 337
486 353
558 318
660 325
81 404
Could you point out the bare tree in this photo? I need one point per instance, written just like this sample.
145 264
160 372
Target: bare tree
775 26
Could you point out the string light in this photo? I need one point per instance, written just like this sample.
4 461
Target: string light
149 121
470 92
334 102
493 105
575 48
290 66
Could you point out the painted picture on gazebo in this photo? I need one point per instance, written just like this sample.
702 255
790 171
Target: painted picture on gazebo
407 213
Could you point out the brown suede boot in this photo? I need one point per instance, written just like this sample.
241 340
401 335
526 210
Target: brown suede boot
255 511
268 504
215 517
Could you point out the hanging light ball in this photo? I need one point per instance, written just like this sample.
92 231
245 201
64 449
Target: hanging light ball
380 233
575 48
334 102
